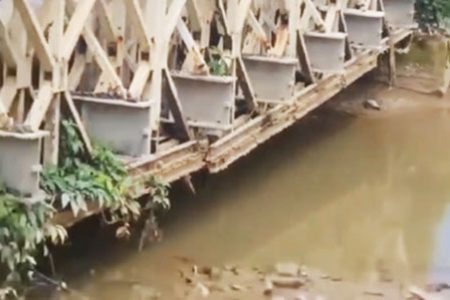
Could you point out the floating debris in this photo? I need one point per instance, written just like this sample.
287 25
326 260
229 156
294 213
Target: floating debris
204 291
212 272
420 294
268 288
237 287
287 282
287 269
372 104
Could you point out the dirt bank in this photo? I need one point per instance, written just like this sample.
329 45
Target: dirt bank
410 93
421 73
290 281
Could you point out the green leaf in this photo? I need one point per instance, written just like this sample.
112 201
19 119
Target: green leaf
65 200
75 208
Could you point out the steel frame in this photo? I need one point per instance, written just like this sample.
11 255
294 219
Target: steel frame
131 55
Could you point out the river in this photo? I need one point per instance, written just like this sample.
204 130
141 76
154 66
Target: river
355 196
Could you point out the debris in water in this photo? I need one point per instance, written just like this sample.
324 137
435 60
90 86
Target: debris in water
195 269
374 293
419 294
232 269
217 287
268 288
439 287
287 269
123 232
204 291
212 272
144 292
237 287
336 279
186 279
287 282
372 104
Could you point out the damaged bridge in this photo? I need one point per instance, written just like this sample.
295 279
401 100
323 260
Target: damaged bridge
176 86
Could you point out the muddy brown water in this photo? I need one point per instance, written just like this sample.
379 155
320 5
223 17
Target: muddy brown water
360 198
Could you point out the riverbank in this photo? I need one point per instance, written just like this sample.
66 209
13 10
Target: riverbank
284 281
290 281
372 98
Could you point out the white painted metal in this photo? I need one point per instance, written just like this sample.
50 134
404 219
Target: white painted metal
120 125
400 13
6 11
273 78
326 51
365 28
122 49
20 162
208 102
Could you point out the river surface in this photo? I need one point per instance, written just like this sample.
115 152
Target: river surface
357 197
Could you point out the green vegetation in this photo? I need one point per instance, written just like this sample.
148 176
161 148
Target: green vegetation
216 62
432 12
99 180
443 8
23 232
80 183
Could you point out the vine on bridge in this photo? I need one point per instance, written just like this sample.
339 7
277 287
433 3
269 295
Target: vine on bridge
80 183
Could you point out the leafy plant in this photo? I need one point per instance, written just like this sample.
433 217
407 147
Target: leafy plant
432 13
159 202
24 228
217 64
79 181
159 194
443 8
